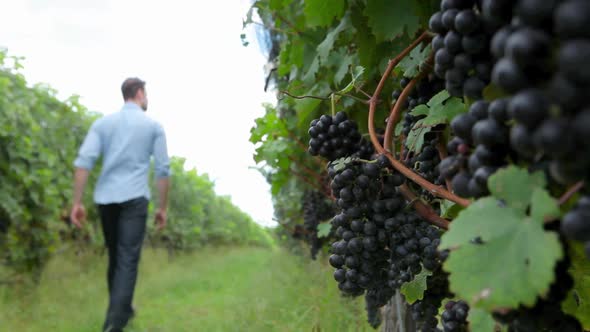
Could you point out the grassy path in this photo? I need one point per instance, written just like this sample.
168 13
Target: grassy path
227 289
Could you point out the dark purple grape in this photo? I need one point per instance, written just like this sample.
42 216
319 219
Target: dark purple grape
527 47
537 13
462 125
453 42
555 137
435 23
463 62
498 42
497 110
573 61
475 43
438 42
336 261
490 133
571 19
477 190
482 175
455 76
521 140
575 225
443 58
448 18
479 109
460 184
509 76
340 275
529 107
473 87
466 21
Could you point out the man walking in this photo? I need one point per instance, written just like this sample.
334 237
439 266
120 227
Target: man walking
126 140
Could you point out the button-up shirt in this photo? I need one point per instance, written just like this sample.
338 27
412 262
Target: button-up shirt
126 140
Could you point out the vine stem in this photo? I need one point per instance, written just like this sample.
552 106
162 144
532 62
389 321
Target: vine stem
302 97
395 113
570 192
434 189
424 210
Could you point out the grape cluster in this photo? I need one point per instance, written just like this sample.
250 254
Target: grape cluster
334 137
575 224
425 89
454 318
461 47
413 244
480 146
425 311
426 161
360 252
542 50
374 300
316 208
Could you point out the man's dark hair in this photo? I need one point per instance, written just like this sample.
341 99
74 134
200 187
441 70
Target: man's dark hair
131 86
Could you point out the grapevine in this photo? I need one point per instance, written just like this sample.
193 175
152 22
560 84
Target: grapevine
472 202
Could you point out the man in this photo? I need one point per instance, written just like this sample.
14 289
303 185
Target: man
126 140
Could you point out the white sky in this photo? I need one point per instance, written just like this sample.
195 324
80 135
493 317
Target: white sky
203 86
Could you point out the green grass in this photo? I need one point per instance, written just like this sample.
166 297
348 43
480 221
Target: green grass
215 289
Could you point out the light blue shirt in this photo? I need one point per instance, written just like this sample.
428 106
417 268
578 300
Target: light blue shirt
127 140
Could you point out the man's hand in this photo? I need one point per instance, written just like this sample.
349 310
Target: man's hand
160 219
78 215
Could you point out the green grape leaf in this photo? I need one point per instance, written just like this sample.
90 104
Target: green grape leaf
321 13
545 207
420 110
414 290
514 253
480 320
327 44
309 76
291 55
449 209
515 186
389 19
340 164
577 302
342 67
412 63
440 109
269 124
415 139
357 74
324 229
277 4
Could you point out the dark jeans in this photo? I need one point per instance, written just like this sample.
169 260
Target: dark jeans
123 226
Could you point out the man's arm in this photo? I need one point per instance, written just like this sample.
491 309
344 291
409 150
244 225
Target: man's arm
80 178
87 155
162 170
78 213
